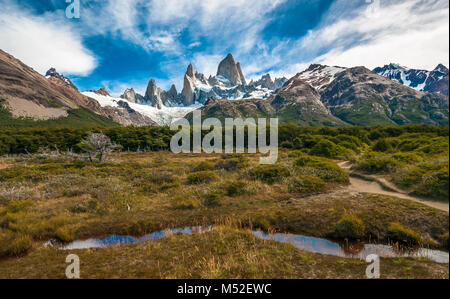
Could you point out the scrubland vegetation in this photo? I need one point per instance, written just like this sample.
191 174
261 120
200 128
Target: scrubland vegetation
54 194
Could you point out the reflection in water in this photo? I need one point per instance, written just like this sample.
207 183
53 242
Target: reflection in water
359 251
127 240
310 244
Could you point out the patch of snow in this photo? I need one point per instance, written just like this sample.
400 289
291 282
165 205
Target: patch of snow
315 76
163 117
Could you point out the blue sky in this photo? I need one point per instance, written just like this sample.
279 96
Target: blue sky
123 43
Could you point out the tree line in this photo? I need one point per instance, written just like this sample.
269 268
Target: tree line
28 141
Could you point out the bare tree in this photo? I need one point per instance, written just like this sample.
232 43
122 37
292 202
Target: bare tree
97 146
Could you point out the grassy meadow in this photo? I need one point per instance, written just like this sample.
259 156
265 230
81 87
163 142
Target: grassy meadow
59 195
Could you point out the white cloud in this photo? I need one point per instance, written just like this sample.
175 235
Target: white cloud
42 43
413 33
207 64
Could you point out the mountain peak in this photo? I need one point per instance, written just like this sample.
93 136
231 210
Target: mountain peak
56 77
441 68
190 70
230 70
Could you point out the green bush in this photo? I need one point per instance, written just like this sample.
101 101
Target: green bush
19 205
188 201
444 240
269 174
383 145
378 165
402 235
203 166
232 162
329 149
235 188
324 168
307 185
296 154
350 227
408 158
13 244
429 180
201 177
212 199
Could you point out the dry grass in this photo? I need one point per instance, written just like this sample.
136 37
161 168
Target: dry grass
139 193
222 253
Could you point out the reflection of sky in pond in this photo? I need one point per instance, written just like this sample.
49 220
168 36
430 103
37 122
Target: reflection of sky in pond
327 247
310 244
126 240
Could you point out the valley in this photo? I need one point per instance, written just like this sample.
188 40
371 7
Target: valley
62 197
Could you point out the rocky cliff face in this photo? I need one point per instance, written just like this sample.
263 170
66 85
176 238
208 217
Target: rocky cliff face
267 82
438 80
421 80
153 94
189 86
30 94
231 71
362 97
229 83
335 96
131 96
296 102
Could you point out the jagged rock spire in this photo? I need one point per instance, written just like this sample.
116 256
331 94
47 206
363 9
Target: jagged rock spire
153 94
189 86
229 69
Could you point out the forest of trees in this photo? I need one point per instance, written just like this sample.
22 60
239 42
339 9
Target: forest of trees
23 141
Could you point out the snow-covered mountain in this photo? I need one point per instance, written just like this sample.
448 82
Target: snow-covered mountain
229 83
420 80
319 76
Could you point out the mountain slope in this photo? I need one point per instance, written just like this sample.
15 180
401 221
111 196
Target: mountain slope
27 94
296 102
435 81
362 97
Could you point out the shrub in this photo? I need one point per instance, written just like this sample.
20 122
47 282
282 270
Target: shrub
13 244
162 177
269 174
307 185
212 199
378 165
407 157
201 177
287 144
203 166
382 145
326 169
444 241
235 188
350 227
232 162
429 180
328 149
63 234
19 205
296 154
187 201
400 234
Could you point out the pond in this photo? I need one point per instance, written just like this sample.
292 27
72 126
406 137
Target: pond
309 244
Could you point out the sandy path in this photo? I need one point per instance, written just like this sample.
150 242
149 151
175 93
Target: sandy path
362 186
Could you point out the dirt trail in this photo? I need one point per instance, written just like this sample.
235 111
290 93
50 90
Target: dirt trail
363 186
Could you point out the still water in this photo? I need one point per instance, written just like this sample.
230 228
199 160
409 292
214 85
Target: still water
309 244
